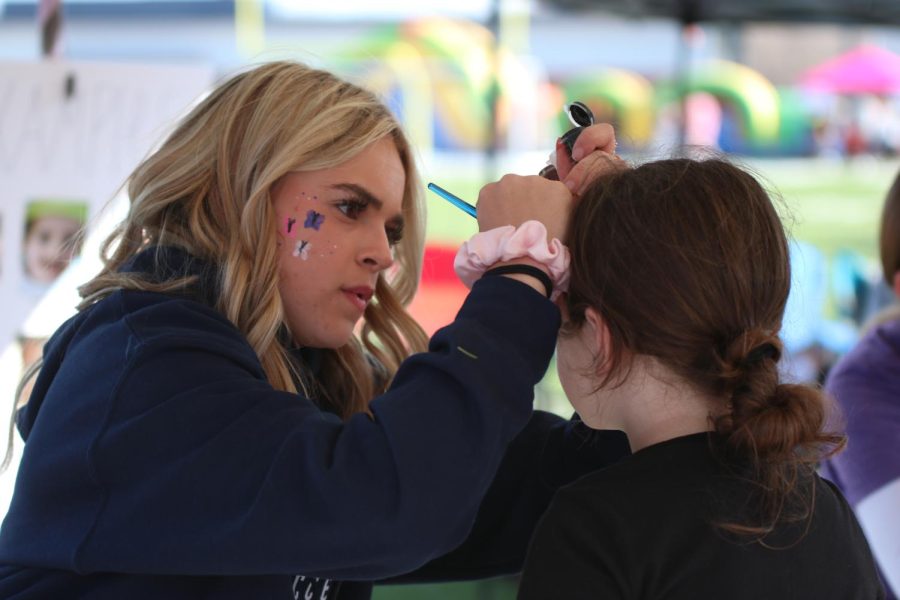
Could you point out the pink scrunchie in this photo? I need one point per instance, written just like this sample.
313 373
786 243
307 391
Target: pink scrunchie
529 239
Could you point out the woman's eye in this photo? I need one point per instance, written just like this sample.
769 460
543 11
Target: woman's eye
352 208
394 235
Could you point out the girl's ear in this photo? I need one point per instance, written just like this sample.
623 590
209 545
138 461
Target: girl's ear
600 338
562 304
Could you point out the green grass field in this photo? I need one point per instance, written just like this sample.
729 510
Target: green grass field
834 205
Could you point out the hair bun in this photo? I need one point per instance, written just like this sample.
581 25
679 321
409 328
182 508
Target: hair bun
767 417
777 427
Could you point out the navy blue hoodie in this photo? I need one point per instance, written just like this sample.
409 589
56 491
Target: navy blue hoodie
160 463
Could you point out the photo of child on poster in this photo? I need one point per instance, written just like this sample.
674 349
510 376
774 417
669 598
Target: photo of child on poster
51 239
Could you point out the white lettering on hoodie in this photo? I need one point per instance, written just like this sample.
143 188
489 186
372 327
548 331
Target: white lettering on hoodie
311 588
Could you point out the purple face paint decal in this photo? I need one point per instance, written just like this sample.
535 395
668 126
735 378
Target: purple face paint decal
301 249
313 220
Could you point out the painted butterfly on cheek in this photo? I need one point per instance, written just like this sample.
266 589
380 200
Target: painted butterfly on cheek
313 220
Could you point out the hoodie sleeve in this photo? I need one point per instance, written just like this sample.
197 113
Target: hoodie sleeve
194 465
549 453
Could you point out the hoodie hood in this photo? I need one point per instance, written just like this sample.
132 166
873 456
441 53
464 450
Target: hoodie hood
159 264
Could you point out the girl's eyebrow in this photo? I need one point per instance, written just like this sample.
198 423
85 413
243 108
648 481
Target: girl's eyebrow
369 197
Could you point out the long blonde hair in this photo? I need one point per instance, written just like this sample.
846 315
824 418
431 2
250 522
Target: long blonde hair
207 190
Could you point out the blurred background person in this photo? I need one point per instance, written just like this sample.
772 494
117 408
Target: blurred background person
866 384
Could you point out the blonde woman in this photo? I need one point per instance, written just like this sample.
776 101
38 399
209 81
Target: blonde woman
211 426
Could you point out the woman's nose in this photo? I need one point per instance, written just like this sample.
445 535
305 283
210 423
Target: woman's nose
376 252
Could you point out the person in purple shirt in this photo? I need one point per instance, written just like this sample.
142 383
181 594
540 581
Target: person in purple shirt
866 385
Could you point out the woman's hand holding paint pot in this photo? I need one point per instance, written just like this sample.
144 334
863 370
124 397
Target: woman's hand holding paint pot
593 155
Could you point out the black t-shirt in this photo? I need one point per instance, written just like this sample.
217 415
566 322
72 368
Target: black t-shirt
643 529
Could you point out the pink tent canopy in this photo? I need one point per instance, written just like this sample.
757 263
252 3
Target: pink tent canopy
866 69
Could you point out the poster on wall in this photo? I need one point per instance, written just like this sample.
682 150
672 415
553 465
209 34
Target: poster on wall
70 134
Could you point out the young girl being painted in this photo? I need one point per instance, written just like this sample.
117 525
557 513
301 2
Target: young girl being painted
210 426
679 281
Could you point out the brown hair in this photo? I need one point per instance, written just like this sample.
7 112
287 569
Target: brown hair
889 237
687 262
